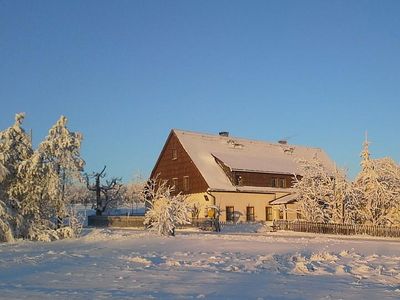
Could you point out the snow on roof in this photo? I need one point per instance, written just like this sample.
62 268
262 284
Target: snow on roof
285 199
244 155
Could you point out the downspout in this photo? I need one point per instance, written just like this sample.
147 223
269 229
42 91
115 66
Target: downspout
209 193
215 222
286 210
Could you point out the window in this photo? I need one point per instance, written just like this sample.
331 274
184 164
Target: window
278 182
268 214
250 213
239 180
186 183
230 214
174 154
282 182
175 183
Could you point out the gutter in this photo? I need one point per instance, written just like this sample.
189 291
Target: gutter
209 193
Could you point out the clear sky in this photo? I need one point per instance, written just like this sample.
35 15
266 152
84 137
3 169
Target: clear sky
319 73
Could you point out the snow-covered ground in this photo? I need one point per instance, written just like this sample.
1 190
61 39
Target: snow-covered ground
135 264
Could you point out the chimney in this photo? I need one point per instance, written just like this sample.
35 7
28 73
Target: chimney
282 142
224 133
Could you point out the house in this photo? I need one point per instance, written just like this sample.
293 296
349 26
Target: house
248 180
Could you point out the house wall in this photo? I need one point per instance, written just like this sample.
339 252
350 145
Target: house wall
169 168
240 201
291 209
202 201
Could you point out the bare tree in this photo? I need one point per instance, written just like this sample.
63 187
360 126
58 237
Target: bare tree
105 193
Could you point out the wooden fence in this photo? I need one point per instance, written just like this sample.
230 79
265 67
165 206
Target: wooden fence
344 229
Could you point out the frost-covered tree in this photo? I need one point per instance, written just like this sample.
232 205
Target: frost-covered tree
322 195
132 192
6 234
32 191
78 193
164 210
15 147
60 151
377 188
3 172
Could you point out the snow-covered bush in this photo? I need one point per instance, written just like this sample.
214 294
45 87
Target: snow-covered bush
164 210
75 221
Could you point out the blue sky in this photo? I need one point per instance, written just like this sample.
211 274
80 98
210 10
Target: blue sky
320 73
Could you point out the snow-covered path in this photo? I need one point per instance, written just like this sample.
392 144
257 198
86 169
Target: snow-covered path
133 264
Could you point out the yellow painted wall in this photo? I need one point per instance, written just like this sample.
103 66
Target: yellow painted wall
200 201
240 201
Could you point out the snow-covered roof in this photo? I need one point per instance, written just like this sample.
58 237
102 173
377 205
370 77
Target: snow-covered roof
244 155
285 199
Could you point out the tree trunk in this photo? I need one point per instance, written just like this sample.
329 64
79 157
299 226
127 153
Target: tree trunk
98 197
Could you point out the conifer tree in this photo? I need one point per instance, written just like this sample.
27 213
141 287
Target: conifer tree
32 183
15 147
60 152
377 189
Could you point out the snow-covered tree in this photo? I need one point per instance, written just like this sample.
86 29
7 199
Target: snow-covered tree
377 189
78 193
15 147
6 234
32 188
164 210
132 192
322 195
3 172
60 151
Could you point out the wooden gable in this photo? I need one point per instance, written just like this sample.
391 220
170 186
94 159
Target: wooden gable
175 165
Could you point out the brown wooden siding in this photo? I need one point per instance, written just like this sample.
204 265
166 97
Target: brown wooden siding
262 179
182 166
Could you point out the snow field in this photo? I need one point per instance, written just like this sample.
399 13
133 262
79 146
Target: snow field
134 264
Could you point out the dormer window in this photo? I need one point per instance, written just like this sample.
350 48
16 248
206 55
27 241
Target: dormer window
174 154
